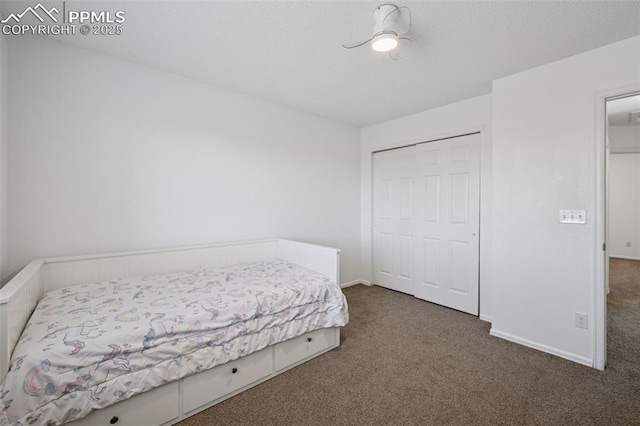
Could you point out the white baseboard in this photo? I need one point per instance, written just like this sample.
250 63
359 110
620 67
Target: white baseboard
354 282
486 318
544 348
624 257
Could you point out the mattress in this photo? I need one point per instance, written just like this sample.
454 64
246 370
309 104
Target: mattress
91 345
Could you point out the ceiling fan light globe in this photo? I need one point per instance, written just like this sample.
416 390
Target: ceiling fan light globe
384 42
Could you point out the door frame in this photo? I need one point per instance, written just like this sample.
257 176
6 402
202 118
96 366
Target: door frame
599 346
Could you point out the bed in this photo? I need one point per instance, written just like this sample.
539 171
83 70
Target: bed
150 338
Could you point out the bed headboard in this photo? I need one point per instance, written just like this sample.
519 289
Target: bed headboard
63 272
19 296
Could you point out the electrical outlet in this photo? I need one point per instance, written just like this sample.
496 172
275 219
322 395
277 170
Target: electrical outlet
582 320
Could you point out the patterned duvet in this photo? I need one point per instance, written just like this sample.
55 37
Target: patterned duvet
91 345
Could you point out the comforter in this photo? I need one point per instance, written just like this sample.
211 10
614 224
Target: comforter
91 345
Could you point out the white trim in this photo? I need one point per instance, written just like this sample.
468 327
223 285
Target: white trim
625 150
155 251
544 348
624 257
349 284
428 138
352 283
599 308
184 248
486 318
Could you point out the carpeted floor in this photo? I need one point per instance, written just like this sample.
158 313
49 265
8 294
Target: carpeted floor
405 361
623 305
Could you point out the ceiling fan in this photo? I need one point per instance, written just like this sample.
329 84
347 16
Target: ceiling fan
392 24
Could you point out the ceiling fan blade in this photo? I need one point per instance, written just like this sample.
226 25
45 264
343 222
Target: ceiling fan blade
404 20
354 45
402 50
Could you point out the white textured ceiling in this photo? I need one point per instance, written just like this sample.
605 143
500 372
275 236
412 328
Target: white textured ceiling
289 51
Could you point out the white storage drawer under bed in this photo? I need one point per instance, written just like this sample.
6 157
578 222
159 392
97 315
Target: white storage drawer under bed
155 407
162 405
220 381
293 351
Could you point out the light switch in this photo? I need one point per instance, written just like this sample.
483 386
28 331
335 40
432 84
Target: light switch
573 216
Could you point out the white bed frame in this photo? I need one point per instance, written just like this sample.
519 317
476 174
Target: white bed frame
172 402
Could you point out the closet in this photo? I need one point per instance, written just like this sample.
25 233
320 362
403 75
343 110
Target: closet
426 220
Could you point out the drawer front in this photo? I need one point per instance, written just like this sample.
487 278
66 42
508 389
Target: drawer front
209 385
154 407
301 347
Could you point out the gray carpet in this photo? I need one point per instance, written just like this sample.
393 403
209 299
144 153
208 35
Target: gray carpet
623 305
405 361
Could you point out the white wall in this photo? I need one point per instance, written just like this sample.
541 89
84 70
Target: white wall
4 136
624 205
544 159
624 138
468 116
107 155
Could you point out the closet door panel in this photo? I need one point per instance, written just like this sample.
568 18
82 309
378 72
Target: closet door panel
393 219
447 175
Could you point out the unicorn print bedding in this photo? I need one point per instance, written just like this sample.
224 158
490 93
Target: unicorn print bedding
91 345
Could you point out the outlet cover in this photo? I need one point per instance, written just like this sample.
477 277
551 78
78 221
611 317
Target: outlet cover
582 320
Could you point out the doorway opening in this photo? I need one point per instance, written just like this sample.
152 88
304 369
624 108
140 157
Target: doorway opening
622 230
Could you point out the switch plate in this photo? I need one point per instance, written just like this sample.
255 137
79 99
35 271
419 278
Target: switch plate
573 216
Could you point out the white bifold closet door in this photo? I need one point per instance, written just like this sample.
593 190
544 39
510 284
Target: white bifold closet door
393 225
426 221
